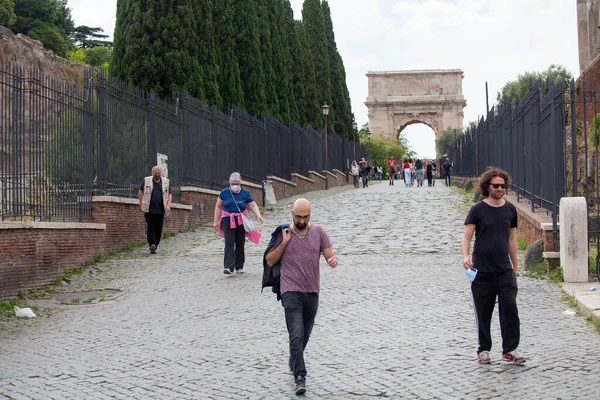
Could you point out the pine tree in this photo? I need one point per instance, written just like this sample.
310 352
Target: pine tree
314 25
248 53
155 46
340 96
228 69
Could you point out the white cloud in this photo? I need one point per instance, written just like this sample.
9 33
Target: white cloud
490 40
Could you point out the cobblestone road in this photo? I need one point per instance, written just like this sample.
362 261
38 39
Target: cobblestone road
395 319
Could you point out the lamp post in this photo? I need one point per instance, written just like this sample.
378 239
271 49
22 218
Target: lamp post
355 135
325 109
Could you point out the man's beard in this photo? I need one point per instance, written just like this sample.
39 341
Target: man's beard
300 227
156 178
496 195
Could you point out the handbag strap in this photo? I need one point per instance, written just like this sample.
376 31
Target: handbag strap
234 202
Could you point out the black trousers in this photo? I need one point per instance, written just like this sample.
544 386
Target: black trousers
486 287
235 240
300 312
154 227
429 178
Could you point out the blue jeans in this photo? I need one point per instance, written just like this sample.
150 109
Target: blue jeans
365 179
300 312
447 179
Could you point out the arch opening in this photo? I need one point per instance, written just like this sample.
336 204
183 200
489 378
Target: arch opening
420 137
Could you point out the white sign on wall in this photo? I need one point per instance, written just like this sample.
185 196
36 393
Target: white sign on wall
162 161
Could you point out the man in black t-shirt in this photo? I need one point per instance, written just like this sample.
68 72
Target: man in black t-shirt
493 220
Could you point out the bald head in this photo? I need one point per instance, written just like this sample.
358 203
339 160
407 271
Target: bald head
301 207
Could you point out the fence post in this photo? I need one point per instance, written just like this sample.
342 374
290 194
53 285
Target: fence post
102 140
573 138
151 132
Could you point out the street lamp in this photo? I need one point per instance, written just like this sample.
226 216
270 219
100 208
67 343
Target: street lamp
355 135
325 109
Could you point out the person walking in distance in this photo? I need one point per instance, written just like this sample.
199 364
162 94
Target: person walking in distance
392 169
233 202
447 169
355 171
429 171
298 250
155 199
494 221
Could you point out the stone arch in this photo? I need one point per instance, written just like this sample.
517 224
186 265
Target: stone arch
400 98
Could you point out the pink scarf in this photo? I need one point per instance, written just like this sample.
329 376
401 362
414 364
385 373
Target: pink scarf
235 220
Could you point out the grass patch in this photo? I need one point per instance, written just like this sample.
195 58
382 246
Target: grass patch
167 235
522 243
595 322
570 300
592 259
7 307
537 271
556 274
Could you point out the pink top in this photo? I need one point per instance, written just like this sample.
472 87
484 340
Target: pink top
236 220
300 261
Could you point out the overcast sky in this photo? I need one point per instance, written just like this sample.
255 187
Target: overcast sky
490 40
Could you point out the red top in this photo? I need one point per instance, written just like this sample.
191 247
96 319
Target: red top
405 165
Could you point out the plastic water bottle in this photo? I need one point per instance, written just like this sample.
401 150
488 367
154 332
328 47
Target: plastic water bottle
471 274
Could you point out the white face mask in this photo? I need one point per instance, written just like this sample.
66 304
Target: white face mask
235 188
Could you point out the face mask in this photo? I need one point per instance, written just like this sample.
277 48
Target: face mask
235 188
471 274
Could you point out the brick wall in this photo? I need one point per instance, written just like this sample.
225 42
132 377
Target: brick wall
33 254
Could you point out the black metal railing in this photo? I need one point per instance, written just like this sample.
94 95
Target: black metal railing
60 144
527 141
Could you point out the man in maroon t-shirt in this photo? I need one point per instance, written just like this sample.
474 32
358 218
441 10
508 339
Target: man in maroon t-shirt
298 250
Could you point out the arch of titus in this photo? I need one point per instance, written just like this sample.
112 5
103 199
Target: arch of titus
400 98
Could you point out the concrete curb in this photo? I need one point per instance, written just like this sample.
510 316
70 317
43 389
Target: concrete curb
588 302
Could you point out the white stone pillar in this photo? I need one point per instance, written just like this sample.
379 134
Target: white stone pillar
574 239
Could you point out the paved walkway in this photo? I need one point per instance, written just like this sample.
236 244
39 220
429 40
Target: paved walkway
395 319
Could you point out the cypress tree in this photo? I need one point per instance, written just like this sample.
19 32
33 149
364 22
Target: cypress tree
229 80
289 39
206 56
267 32
156 45
339 90
248 53
314 24
304 77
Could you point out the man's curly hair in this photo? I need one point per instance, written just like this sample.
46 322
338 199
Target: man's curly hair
486 179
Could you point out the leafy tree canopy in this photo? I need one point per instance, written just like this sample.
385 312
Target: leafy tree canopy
7 13
513 92
48 21
449 137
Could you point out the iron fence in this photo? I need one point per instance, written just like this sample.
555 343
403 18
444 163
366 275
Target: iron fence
528 142
61 144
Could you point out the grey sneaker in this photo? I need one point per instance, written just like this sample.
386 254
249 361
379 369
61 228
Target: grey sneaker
227 271
300 385
484 357
152 248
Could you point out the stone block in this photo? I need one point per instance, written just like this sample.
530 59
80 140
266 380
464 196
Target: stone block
574 239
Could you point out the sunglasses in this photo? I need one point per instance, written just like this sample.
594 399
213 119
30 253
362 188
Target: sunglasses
498 185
